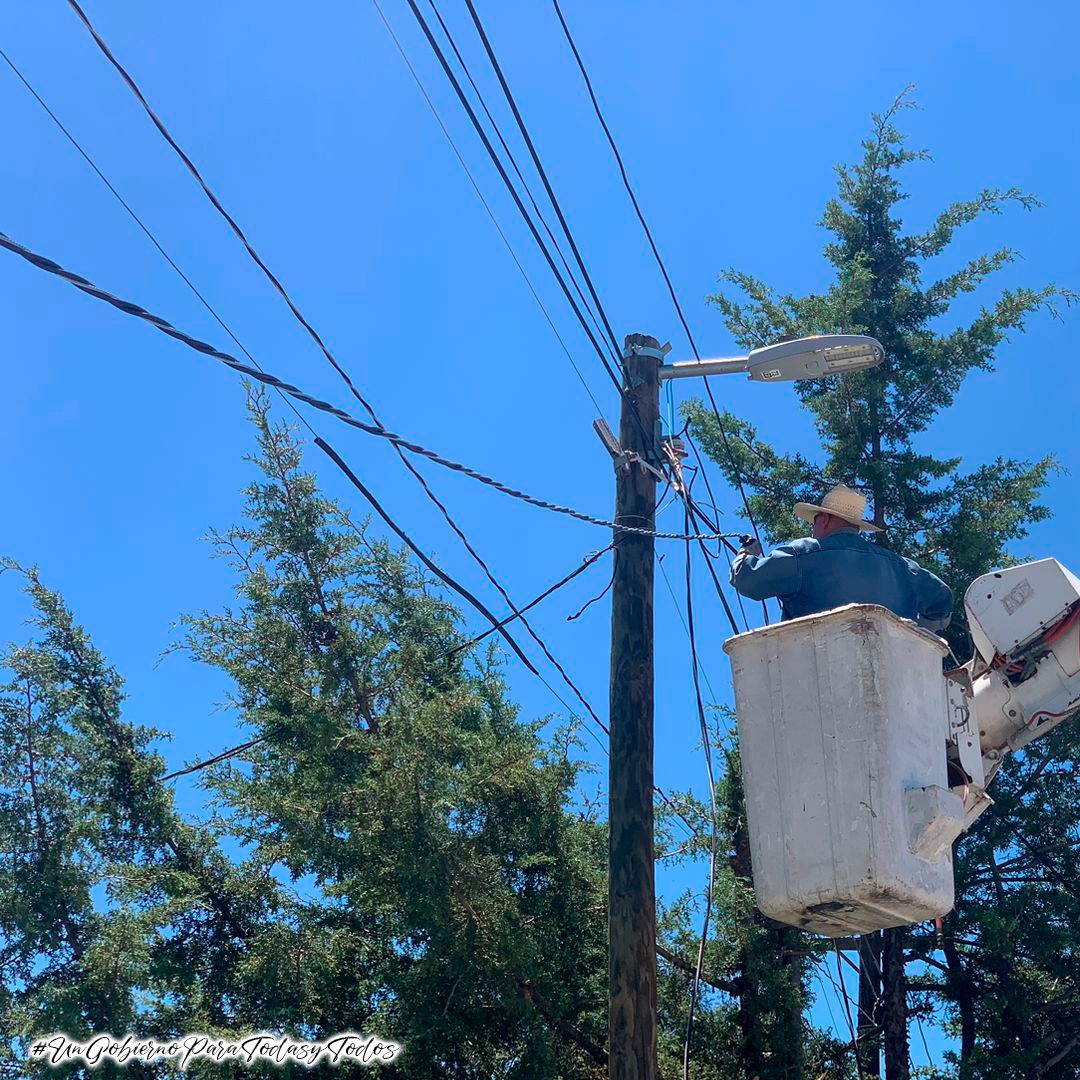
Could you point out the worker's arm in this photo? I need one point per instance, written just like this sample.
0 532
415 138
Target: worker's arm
759 577
934 598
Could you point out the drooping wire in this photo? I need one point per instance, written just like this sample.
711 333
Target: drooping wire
712 498
847 1010
449 654
682 619
145 228
320 343
540 168
681 488
130 308
585 564
277 384
496 625
611 343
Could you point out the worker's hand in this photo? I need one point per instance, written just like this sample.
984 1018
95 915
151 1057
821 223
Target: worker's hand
750 546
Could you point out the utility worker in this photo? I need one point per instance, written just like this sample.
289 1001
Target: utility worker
836 566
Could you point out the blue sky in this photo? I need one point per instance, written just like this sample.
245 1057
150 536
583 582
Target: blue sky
120 448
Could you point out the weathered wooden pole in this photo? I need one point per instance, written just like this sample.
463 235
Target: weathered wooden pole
632 883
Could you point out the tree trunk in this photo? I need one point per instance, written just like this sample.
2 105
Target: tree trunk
894 1006
963 995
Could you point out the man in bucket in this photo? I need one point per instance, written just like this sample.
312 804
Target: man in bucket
836 566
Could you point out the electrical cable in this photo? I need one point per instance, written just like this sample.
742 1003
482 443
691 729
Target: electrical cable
483 201
540 168
712 498
130 308
847 1009
143 226
588 561
517 170
660 262
682 620
417 550
322 345
153 239
269 380
713 840
496 625
510 187
691 513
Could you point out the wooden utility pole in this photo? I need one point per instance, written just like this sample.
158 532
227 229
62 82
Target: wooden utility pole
632 883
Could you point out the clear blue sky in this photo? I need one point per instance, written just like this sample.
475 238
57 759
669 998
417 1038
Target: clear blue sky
120 447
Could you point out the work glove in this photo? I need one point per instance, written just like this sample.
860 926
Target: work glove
750 546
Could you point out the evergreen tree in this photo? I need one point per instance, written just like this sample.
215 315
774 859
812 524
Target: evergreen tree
959 522
395 777
83 813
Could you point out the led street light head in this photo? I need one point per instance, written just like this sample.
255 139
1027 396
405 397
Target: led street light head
814 357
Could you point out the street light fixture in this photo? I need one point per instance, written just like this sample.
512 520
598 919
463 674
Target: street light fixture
801 358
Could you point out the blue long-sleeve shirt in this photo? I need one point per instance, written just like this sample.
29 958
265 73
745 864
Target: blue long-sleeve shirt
809 576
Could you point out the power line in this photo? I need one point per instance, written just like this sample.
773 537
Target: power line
619 161
161 324
130 308
192 168
659 260
707 748
144 227
478 127
326 351
539 168
279 385
497 626
682 618
483 201
517 170
133 86
587 562
847 1010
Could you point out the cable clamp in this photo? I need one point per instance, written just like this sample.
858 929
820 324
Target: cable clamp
629 458
647 350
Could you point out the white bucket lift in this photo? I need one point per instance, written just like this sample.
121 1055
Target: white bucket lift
844 720
863 762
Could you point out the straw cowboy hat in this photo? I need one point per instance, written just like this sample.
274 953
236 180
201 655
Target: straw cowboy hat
842 502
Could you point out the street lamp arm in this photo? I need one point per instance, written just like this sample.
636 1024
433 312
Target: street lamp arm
687 369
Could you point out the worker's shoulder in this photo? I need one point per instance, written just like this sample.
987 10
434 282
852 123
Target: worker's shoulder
804 545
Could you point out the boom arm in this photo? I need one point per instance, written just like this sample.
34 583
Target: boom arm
1025 677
